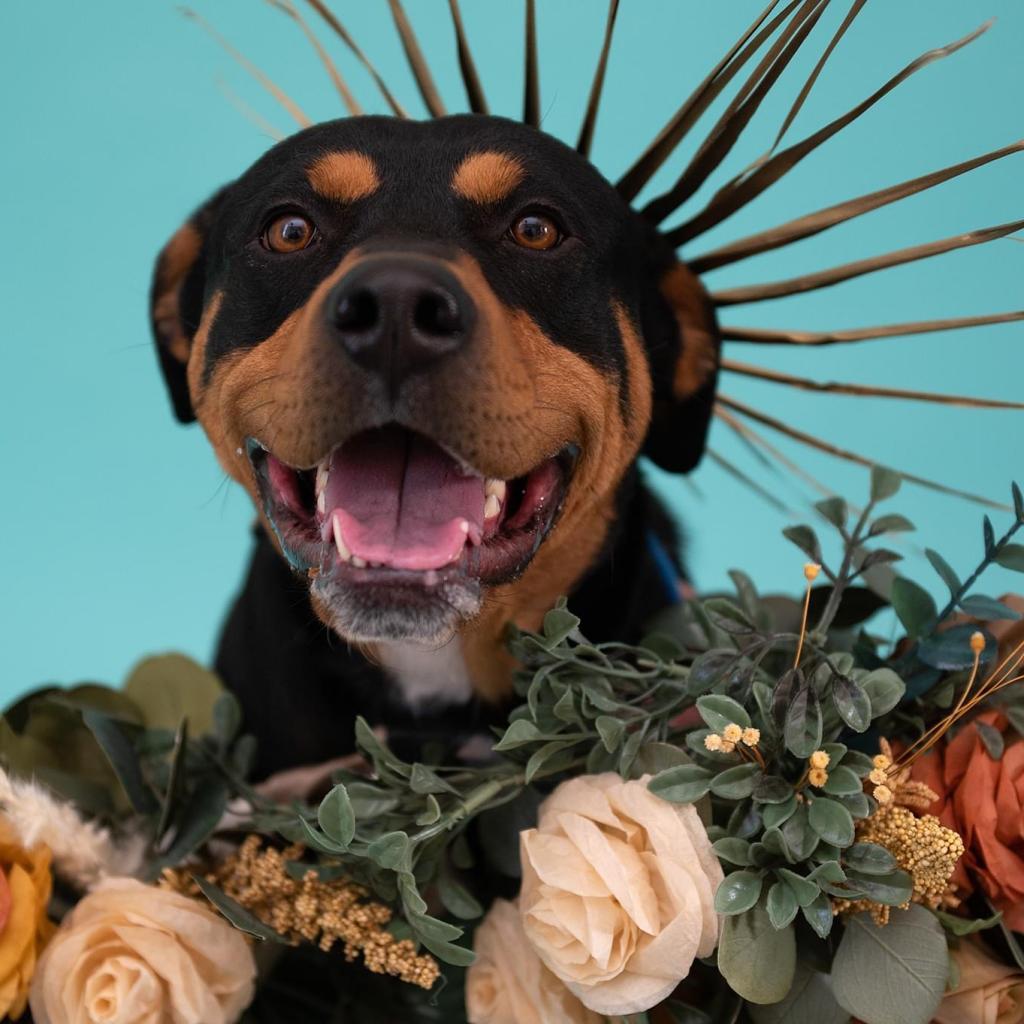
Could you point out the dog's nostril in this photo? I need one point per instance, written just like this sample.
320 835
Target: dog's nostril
357 311
437 313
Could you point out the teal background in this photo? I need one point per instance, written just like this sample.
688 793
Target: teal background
119 535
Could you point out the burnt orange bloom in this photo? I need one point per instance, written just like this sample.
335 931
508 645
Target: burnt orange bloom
983 799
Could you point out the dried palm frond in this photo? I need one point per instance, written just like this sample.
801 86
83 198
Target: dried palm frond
763 52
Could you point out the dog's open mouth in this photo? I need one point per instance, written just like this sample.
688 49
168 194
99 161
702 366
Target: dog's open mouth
392 506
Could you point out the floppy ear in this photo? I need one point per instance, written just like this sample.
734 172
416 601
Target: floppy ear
683 344
176 301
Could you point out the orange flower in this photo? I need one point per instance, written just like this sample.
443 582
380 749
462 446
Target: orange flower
25 884
983 800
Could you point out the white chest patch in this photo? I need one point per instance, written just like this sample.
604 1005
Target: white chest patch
426 675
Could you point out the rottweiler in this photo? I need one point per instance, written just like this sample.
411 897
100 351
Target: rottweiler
432 353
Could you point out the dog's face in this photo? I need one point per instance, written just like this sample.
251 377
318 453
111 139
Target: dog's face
430 352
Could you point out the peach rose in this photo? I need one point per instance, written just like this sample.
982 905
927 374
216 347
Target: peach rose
618 892
25 884
989 992
508 984
136 954
983 800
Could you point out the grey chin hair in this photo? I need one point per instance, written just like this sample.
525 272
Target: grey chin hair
361 617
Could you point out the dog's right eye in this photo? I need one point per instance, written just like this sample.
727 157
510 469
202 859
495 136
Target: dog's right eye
288 233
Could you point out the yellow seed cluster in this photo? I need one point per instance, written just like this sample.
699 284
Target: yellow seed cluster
315 911
811 570
819 759
733 734
923 847
817 777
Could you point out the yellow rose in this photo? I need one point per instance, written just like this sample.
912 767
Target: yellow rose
989 992
618 892
25 884
136 954
508 984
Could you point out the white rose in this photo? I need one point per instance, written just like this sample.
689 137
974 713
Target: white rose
134 954
508 984
618 892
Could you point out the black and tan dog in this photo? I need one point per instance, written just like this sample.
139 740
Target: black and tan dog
432 353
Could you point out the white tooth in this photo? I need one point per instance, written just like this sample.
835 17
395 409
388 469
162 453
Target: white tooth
496 487
358 562
321 502
339 542
492 506
321 478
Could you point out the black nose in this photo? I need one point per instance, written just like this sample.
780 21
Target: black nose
399 315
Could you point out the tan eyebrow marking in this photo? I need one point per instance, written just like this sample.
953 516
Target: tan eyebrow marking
487 177
344 177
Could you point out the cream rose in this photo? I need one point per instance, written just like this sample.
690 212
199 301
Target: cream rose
618 892
989 992
509 985
133 954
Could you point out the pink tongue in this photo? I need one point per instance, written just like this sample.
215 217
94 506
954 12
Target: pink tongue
400 500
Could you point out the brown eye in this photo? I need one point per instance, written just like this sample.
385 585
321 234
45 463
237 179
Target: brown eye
288 233
535 231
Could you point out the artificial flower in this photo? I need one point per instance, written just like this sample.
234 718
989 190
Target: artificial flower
618 891
982 798
136 954
25 884
508 984
988 992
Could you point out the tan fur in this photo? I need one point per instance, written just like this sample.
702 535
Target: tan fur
698 327
487 177
523 399
177 257
344 177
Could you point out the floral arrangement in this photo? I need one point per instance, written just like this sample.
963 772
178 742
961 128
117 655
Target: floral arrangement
767 811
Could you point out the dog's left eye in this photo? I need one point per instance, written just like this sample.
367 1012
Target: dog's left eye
535 231
288 233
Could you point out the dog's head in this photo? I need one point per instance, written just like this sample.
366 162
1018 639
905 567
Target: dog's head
430 352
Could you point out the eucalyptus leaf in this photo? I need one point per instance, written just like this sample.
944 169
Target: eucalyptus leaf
832 821
960 926
390 851
884 690
736 783
893 523
775 815
884 482
457 899
684 784
123 759
891 890
170 687
757 962
869 859
781 905
895 974
809 1001
842 782
244 920
818 914
803 727
992 739
944 569
988 608
726 616
336 817
951 649
1011 556
805 539
611 730
738 892
805 890
718 711
914 606
732 850
851 702
833 509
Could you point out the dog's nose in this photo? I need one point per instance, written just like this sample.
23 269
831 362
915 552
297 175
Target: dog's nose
397 316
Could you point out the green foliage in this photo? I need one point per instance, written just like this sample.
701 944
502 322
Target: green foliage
891 975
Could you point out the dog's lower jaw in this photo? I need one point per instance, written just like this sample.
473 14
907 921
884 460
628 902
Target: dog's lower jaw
393 613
